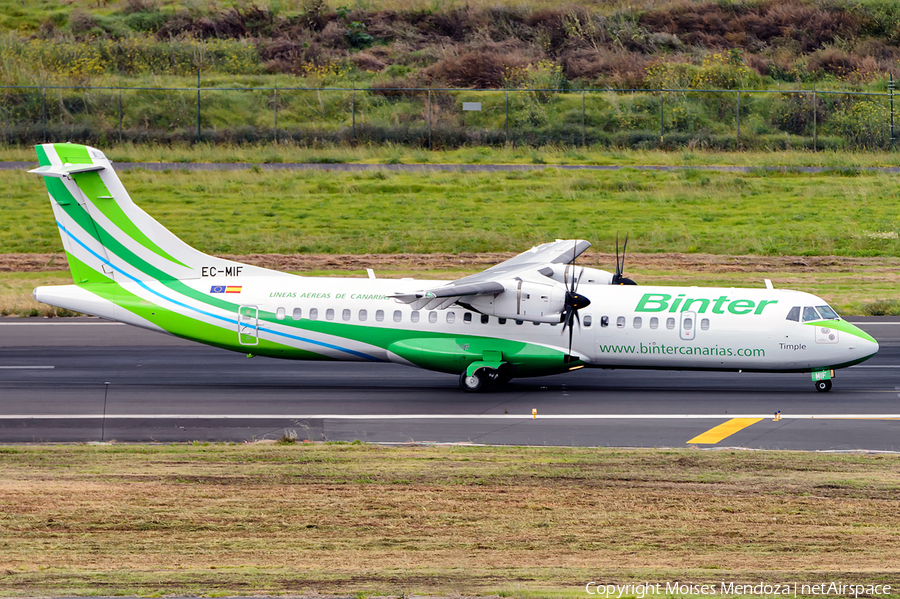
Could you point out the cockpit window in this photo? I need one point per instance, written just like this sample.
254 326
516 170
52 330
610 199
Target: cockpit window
794 314
809 313
827 313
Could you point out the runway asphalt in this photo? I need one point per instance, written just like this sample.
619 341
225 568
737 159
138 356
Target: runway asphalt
83 380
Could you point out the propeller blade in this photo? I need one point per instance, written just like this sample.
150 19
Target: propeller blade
618 269
571 331
574 256
619 278
575 302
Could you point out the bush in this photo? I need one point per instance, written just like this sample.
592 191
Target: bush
486 67
883 307
793 113
864 123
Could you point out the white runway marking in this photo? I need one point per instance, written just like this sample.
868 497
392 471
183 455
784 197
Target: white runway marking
26 367
444 416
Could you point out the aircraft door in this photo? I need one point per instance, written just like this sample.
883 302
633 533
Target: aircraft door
248 325
688 325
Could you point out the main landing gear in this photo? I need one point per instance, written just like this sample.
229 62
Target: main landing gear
823 386
481 380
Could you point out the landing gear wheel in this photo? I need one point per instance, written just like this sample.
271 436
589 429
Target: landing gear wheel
478 382
823 386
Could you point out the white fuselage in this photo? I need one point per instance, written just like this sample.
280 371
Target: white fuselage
674 327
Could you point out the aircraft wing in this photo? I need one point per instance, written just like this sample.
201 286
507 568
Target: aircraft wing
490 281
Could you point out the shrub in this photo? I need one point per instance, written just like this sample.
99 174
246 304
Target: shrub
793 113
484 67
864 123
832 61
81 22
883 307
613 68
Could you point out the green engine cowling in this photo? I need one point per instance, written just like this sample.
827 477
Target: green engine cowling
455 354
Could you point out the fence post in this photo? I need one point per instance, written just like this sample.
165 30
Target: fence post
739 119
275 108
353 114
507 116
198 104
583 142
815 122
660 114
120 112
44 112
891 87
429 119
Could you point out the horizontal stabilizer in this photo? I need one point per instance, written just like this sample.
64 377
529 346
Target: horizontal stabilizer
64 170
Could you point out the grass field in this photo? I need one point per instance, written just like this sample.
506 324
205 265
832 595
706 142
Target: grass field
361 519
398 154
245 212
846 213
859 286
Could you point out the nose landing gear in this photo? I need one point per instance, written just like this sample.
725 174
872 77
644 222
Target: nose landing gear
823 386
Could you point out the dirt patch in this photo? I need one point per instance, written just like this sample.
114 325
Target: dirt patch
708 263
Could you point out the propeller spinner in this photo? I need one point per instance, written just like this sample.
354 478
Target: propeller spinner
574 302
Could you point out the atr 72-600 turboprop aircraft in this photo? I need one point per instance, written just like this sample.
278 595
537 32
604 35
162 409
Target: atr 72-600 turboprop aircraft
535 314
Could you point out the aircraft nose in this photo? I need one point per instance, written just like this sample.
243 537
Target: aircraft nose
864 345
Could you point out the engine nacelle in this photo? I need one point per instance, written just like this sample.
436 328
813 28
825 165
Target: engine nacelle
564 272
523 300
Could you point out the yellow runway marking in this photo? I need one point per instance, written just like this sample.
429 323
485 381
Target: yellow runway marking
726 429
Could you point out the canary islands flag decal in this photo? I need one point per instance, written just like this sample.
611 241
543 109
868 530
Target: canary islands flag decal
225 289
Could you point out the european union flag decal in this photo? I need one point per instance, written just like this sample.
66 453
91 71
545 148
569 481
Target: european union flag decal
217 289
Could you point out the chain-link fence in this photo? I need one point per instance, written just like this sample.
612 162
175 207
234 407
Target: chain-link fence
441 118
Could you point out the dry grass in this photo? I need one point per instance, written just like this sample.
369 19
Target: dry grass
357 518
16 288
850 284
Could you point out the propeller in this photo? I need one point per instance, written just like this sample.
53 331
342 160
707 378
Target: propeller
574 301
619 278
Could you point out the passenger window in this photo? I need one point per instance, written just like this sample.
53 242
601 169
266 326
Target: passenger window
398 315
279 313
604 321
451 317
704 324
620 322
379 315
794 314
587 321
809 313
363 315
688 324
329 314
414 316
485 319
432 317
501 321
638 323
297 314
313 313
670 323
345 314
467 317
654 323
